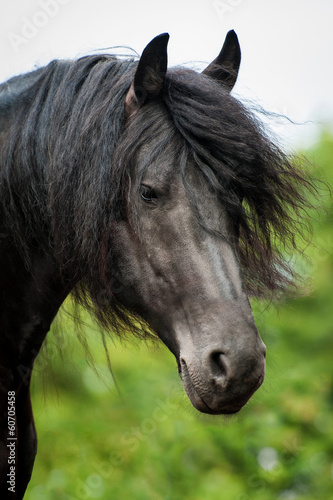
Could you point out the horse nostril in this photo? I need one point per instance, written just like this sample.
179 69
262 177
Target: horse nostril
218 365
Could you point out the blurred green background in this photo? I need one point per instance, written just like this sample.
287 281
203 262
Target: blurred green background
143 440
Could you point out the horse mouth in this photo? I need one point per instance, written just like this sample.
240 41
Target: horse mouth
197 400
215 401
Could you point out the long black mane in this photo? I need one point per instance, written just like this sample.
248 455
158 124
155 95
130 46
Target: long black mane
68 156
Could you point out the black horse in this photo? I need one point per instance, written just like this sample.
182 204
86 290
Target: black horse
157 200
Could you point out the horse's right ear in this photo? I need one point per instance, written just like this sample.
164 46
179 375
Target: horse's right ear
150 74
226 66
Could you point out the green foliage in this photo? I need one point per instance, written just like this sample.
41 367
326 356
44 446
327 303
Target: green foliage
143 441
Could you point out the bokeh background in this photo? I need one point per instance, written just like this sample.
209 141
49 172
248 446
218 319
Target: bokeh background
136 436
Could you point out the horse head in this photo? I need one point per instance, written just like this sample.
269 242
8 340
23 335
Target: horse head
177 258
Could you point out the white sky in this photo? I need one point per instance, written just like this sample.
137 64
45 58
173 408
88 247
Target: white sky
287 45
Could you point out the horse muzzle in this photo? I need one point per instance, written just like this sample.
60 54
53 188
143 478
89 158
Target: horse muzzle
221 382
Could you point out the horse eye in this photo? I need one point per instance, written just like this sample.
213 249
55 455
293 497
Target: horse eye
147 194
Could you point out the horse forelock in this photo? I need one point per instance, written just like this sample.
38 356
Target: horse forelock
263 189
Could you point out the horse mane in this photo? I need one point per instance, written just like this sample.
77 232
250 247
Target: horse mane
68 158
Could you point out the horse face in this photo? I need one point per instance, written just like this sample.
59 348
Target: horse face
180 272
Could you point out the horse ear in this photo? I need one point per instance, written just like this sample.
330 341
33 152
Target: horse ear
225 67
150 74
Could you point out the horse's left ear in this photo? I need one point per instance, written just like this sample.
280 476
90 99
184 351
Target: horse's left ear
225 67
150 74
